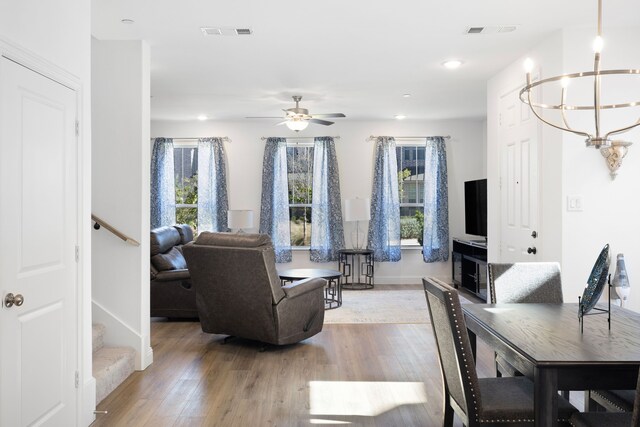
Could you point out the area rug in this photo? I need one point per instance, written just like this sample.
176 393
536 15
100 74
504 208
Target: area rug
380 306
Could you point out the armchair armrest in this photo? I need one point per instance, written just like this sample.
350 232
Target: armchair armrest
302 287
169 275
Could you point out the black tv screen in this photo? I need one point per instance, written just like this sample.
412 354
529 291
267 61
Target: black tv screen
475 207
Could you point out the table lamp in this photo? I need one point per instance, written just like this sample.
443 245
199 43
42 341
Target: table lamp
357 210
240 220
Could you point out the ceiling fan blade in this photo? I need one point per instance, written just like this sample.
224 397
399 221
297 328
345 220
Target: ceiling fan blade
328 115
289 113
279 117
321 122
281 123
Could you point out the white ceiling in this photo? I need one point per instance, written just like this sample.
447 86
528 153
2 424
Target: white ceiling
355 56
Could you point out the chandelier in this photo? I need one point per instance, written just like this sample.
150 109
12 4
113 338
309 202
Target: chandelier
613 150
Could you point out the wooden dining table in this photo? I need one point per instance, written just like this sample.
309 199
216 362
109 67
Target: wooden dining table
544 342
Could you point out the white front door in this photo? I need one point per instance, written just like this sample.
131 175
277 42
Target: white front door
519 222
38 230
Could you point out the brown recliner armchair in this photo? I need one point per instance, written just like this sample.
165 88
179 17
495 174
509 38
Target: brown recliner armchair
239 293
171 292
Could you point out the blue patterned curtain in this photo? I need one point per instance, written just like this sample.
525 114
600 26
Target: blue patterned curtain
327 236
163 184
384 226
274 209
212 185
435 239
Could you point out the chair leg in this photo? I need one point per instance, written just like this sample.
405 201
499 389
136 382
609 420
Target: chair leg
227 339
447 412
591 405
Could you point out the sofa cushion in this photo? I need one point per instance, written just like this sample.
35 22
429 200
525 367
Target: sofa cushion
186 233
237 240
163 239
172 260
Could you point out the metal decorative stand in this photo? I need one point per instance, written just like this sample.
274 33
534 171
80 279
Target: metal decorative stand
357 274
606 311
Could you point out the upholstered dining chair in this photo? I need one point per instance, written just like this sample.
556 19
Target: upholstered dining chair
610 400
610 419
521 282
239 292
505 401
535 282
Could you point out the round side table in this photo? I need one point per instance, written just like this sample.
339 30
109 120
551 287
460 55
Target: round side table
333 290
356 266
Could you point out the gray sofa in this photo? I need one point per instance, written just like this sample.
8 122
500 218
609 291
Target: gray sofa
239 293
172 293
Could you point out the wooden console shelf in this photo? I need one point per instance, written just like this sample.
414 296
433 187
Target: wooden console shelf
469 266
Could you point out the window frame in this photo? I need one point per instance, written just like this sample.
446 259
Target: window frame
415 145
185 143
298 144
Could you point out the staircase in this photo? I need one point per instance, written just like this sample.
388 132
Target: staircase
111 365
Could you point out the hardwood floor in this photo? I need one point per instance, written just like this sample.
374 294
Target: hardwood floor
358 374
370 375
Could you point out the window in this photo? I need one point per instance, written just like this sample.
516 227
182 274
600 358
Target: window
300 182
411 159
185 160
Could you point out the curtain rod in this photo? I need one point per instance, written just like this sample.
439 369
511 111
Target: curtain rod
224 138
264 138
373 137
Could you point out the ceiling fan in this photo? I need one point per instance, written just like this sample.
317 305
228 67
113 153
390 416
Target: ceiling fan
299 118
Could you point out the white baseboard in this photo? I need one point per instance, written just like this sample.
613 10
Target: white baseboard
405 280
88 402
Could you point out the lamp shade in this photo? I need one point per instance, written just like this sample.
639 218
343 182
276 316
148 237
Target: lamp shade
357 210
240 219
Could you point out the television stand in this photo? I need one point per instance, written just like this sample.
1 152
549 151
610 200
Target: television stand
469 266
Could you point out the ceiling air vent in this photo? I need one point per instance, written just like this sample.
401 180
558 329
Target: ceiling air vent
491 29
226 31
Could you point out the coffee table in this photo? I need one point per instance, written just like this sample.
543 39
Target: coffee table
333 290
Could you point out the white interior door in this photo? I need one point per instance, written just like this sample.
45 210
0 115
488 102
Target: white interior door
38 237
519 222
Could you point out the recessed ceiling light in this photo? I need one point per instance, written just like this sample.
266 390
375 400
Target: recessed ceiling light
202 117
127 21
452 64
400 116
406 95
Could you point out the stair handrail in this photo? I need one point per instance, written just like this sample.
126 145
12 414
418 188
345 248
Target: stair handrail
102 223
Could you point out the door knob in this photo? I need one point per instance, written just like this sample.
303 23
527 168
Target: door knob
531 250
10 300
534 234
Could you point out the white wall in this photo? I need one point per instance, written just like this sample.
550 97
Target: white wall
28 24
121 192
610 209
465 159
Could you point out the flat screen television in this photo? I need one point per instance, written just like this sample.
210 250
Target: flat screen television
475 207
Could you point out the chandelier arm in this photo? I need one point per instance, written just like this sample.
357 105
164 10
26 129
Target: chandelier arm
596 90
552 124
621 130
563 98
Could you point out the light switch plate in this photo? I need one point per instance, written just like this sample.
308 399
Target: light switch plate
574 203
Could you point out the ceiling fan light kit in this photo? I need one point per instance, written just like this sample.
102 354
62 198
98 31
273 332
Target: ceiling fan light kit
298 119
613 151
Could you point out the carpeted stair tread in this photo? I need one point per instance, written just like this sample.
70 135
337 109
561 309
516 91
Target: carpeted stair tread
98 336
111 366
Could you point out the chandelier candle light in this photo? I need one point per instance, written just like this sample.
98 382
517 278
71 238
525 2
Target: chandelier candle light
613 151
